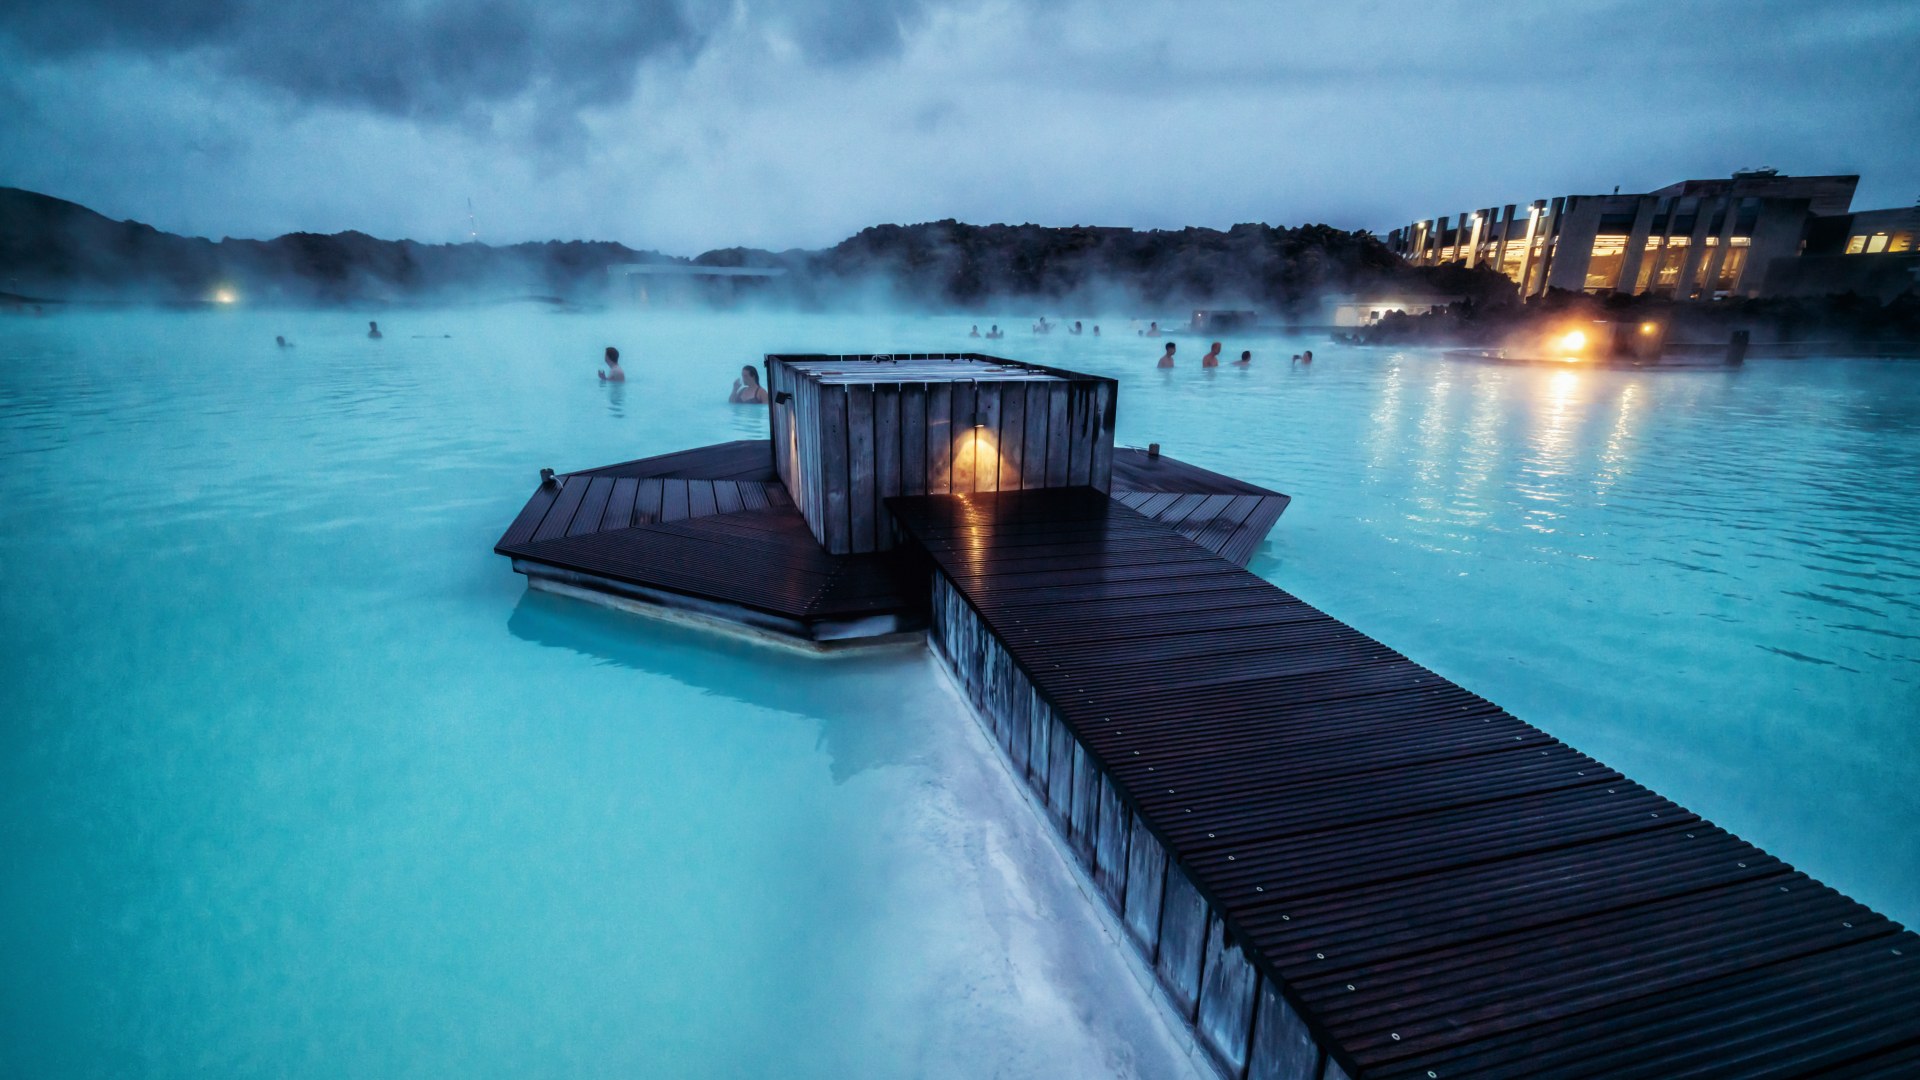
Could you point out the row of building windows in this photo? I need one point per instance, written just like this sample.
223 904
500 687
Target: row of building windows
1874 244
1664 261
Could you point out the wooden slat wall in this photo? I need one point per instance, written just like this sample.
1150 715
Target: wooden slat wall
850 445
862 470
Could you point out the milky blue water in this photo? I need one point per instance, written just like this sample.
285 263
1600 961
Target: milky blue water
297 780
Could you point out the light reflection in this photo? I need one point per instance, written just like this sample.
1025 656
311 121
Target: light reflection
1613 458
1551 451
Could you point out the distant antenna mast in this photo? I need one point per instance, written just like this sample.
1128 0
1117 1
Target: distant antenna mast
473 229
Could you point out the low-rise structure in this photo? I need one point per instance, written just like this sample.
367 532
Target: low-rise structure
1692 239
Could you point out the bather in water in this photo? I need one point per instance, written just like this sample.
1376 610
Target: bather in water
747 389
614 373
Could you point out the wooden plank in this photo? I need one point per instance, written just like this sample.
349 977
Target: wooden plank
1059 434
862 470
1105 402
726 497
1082 425
674 500
939 439
529 517
1012 436
572 490
592 506
836 481
778 378
985 438
619 513
647 501
700 499
960 452
1033 439
887 442
913 439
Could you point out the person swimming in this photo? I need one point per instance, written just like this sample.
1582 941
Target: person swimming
280 340
373 329
1076 327
994 331
613 372
1153 329
1042 327
1212 359
747 389
1166 358
1246 358
975 332
1096 329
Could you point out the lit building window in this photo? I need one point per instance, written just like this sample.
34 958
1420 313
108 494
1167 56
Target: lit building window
1603 266
1877 244
1902 241
1671 260
1647 260
1705 264
1731 265
1856 245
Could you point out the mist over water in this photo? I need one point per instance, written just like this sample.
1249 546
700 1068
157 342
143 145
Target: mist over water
296 778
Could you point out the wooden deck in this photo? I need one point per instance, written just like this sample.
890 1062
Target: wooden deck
711 529
1226 516
1343 865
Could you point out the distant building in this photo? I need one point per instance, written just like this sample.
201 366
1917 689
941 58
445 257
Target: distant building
1367 310
1696 238
653 284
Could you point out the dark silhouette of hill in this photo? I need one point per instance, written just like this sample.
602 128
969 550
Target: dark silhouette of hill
51 247
54 248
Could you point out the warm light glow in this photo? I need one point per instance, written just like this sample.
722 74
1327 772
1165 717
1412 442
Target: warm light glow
1649 328
224 296
1574 340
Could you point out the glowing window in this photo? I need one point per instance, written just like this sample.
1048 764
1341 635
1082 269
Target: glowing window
1671 260
1647 260
1856 245
1731 264
1901 242
1877 244
1603 267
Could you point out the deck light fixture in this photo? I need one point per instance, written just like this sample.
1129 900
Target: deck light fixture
781 397
979 419
546 478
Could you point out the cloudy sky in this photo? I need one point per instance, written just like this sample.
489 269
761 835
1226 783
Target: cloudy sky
688 124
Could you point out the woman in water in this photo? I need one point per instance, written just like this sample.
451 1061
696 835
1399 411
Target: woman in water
975 332
994 331
1246 358
747 389
1166 358
373 329
613 372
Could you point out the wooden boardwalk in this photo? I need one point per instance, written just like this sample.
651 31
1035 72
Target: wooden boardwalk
713 531
1343 865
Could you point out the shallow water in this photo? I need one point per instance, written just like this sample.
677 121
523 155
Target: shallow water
295 778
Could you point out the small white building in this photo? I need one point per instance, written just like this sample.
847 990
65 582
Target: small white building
1367 310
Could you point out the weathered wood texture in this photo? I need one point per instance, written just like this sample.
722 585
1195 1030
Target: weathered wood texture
864 429
1342 865
731 541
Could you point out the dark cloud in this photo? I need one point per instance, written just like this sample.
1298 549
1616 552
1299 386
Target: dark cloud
439 59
